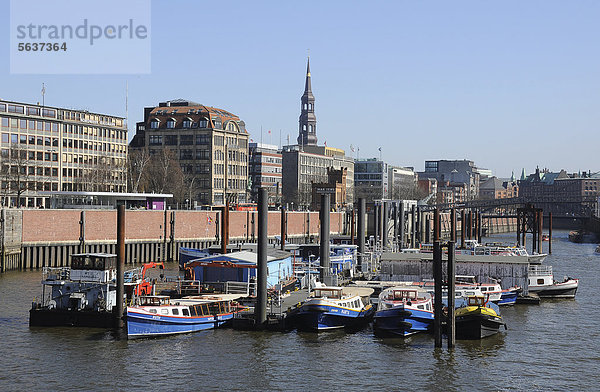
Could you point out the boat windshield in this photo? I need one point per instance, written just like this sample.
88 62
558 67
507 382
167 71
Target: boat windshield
476 300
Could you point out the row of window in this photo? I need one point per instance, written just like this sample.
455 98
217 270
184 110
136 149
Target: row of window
232 183
36 125
29 155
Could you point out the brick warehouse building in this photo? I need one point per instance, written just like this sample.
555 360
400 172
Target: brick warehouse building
56 149
210 144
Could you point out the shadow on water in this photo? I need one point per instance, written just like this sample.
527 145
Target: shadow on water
482 348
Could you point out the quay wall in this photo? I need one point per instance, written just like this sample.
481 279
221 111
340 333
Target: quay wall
37 238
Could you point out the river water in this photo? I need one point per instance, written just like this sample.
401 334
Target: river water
551 346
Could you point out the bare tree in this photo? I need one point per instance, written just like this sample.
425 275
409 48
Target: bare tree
164 173
407 190
137 169
101 175
14 173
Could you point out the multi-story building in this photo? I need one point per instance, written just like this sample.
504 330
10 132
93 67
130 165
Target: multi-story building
302 168
210 144
47 148
540 185
371 180
455 173
265 171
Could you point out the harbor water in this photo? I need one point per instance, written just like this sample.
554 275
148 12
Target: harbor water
551 346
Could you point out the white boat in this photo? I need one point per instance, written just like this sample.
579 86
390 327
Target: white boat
541 281
472 247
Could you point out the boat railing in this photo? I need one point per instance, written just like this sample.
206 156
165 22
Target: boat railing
540 270
56 273
192 287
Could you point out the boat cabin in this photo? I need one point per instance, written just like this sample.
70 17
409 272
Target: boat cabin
476 300
401 295
94 267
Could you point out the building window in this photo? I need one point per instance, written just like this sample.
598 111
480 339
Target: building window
171 140
187 123
155 140
16 109
203 123
186 140
203 139
203 154
171 123
186 154
154 124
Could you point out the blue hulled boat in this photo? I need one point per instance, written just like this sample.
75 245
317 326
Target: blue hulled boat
403 311
333 308
509 296
157 316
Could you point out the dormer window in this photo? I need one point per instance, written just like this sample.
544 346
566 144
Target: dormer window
155 123
203 123
187 123
171 123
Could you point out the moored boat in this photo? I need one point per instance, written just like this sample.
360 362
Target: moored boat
477 319
403 311
334 308
158 316
541 282
82 295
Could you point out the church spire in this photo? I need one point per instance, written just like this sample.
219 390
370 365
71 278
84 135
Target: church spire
307 86
308 121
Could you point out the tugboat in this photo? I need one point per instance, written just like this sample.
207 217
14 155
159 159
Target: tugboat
83 295
403 311
478 319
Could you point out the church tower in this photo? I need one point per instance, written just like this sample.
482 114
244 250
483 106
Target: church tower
308 121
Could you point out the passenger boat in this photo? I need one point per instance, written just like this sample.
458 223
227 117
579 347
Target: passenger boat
403 311
330 308
478 319
541 281
158 316
82 295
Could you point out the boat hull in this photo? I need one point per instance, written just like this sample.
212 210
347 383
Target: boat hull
149 325
566 289
315 318
45 317
508 298
477 326
400 321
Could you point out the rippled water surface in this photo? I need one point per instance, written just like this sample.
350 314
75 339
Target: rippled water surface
553 346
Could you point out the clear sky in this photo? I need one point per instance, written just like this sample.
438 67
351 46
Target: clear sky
507 84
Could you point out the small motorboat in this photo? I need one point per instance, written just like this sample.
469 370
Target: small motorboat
509 296
330 308
478 319
541 281
403 311
157 316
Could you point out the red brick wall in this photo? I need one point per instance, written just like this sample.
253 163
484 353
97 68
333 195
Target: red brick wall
101 225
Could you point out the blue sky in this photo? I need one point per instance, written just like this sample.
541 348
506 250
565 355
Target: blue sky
508 84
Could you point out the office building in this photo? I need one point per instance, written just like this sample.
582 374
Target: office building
210 144
46 148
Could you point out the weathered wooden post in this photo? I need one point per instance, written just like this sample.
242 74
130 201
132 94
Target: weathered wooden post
540 218
361 231
352 228
225 228
437 280
260 311
324 237
172 250
402 227
479 229
550 233
450 323
518 228
413 227
82 232
470 226
385 212
453 224
463 229
118 315
283 227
